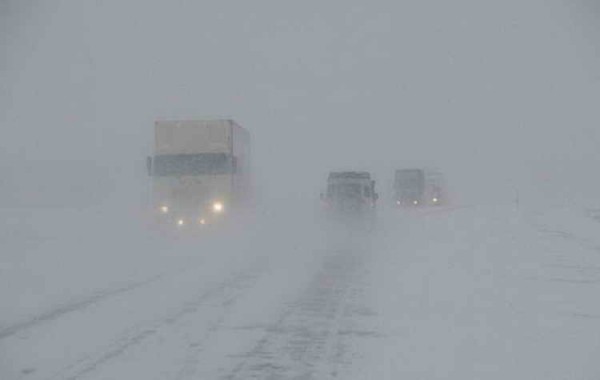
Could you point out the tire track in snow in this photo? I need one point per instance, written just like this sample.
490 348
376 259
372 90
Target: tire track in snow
74 306
137 335
310 332
586 243
198 345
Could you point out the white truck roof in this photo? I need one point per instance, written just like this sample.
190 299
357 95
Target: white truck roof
194 136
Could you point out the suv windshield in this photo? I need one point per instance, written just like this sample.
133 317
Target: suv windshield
345 190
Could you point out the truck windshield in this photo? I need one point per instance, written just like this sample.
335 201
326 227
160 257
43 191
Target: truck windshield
345 190
192 164
410 179
409 183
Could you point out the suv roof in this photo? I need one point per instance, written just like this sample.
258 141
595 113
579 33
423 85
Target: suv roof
349 175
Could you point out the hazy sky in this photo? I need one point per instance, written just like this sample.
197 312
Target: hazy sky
494 92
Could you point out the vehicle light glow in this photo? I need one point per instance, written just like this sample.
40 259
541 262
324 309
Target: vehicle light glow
217 207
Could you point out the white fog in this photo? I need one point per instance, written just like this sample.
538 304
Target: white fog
186 189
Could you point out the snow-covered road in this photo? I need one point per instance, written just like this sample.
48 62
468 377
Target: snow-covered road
477 293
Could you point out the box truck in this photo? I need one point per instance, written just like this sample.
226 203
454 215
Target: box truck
200 171
419 187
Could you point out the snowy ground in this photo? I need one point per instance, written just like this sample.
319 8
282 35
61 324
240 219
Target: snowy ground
463 293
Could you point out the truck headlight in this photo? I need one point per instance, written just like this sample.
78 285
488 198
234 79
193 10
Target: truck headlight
164 209
217 207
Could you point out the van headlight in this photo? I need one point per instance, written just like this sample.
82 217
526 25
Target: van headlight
218 207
